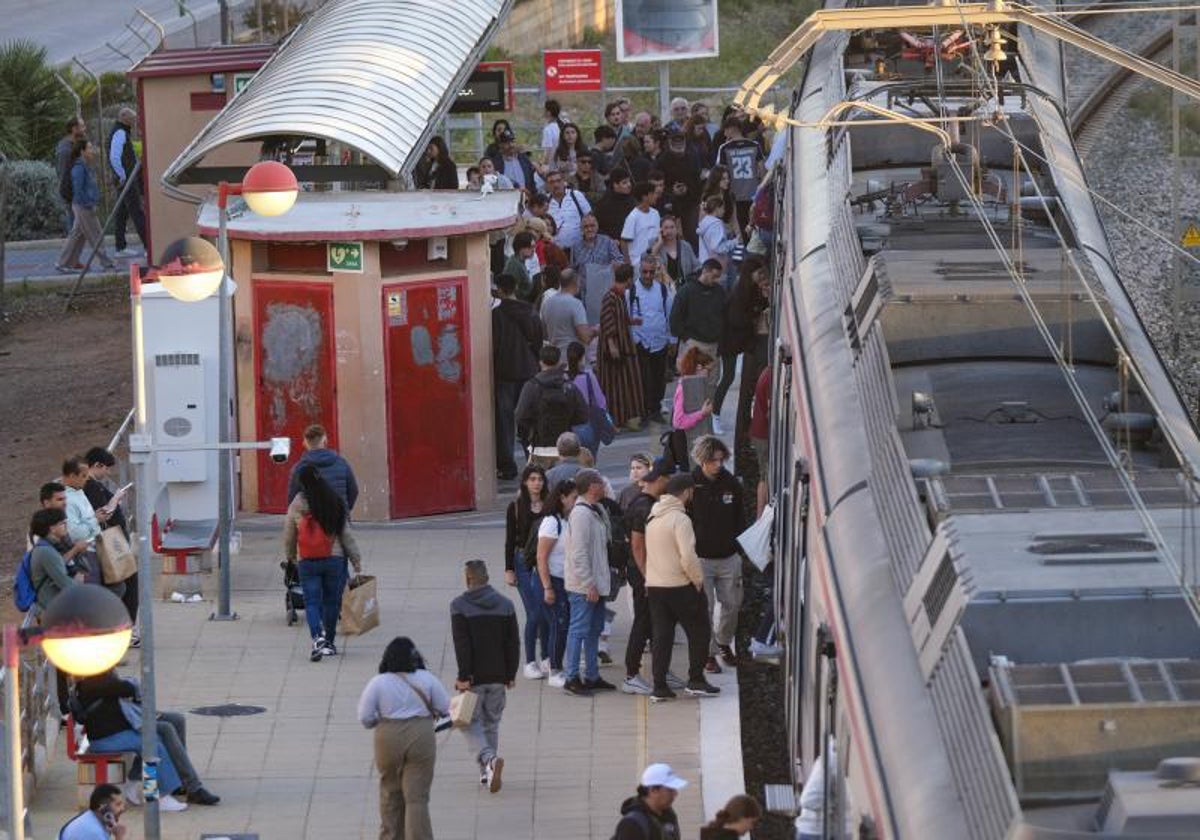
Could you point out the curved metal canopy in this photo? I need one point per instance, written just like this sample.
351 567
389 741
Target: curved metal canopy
376 75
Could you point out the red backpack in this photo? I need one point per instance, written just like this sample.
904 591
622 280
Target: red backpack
311 540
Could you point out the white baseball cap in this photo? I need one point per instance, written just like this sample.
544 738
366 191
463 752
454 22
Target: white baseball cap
661 775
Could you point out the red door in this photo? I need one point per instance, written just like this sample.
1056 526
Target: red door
294 368
429 398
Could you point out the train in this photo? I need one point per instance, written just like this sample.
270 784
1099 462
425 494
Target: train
982 475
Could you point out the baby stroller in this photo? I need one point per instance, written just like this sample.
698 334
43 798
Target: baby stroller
293 592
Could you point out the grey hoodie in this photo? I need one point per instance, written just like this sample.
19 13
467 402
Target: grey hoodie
587 549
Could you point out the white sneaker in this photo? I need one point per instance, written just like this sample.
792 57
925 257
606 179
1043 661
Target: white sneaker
636 685
495 768
533 671
130 251
545 666
170 803
556 680
716 424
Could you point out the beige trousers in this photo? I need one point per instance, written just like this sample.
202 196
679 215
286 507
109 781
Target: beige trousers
85 230
404 753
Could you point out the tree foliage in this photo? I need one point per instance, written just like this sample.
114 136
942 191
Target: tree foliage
34 106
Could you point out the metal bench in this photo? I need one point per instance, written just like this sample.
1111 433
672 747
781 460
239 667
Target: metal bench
93 768
179 539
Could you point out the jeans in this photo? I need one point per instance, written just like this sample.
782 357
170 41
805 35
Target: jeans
506 425
639 628
323 581
587 622
654 378
172 734
723 586
537 626
671 605
556 616
130 740
130 208
728 370
483 735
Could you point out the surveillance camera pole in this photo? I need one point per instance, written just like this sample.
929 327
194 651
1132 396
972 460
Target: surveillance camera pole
224 460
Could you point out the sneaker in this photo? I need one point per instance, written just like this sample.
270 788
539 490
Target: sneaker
170 803
328 649
577 687
200 796
483 775
662 695
701 689
727 655
318 646
132 791
135 641
600 684
533 671
494 768
556 680
130 251
65 269
636 685
545 666
674 682
711 666
716 424
605 658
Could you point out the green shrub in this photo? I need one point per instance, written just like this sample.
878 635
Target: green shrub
34 209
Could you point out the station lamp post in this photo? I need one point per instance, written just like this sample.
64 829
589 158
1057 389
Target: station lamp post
85 631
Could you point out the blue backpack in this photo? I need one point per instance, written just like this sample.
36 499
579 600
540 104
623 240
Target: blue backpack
24 592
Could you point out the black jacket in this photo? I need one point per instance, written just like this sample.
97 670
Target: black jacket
718 514
100 696
527 407
333 468
486 643
444 177
611 211
516 339
640 823
99 495
681 169
698 312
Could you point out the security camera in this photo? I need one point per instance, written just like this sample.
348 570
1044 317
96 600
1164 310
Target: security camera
281 448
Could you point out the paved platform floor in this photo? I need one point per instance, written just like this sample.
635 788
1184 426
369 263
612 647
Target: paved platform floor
303 768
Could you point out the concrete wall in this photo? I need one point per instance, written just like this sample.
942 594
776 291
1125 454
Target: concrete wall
540 24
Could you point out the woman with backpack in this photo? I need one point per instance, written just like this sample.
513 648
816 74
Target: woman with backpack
520 529
549 582
317 530
83 195
585 382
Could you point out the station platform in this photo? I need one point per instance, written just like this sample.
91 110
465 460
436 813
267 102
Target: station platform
303 767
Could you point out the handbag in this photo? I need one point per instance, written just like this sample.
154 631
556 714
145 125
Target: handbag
756 540
462 708
117 560
360 606
599 418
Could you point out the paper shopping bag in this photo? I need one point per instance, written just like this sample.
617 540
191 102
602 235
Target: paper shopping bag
117 560
360 606
462 708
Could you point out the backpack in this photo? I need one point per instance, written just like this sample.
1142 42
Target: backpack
675 449
620 554
555 411
662 287
311 540
66 185
24 592
531 543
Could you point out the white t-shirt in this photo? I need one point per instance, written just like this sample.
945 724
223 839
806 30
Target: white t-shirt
550 133
640 230
557 558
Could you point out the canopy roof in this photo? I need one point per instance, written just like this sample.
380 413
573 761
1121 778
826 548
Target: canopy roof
376 75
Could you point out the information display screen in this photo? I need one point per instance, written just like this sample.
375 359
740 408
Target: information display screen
485 90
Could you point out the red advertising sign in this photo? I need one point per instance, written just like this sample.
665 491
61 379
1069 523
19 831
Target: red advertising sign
569 70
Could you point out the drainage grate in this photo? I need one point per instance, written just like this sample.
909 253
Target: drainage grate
229 710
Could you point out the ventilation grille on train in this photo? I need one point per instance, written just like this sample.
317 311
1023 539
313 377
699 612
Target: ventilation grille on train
935 599
1040 491
872 292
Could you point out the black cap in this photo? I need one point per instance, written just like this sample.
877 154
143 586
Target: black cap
659 469
506 136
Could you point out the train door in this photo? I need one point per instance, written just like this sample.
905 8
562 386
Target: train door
430 442
295 372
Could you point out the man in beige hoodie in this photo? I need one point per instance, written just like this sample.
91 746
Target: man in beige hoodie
675 589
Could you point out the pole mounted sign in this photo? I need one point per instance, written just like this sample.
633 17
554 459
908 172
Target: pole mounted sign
573 70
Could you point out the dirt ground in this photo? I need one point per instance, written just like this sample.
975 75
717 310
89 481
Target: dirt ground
66 383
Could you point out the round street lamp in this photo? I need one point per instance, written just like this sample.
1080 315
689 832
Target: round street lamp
86 630
270 188
191 269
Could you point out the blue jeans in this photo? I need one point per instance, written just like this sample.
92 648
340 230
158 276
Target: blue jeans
129 740
323 581
536 626
556 616
587 622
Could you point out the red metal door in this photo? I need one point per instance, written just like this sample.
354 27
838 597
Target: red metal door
429 397
294 370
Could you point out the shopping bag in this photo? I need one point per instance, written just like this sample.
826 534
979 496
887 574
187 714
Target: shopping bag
360 606
462 708
117 560
756 540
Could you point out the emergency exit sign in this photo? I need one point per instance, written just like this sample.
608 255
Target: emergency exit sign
344 256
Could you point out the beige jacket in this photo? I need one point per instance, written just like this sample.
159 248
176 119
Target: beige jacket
671 546
343 546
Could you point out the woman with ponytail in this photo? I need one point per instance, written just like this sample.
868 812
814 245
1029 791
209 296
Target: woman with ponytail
740 815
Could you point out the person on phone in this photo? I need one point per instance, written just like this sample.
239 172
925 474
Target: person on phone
101 820
617 357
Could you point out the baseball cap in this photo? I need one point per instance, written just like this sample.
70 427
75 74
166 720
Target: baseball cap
661 775
506 136
659 469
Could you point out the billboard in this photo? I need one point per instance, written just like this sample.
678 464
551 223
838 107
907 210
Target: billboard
665 30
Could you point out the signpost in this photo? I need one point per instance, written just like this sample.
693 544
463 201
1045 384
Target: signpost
345 257
573 70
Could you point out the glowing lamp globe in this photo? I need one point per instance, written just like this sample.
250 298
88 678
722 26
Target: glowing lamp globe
191 269
86 630
270 188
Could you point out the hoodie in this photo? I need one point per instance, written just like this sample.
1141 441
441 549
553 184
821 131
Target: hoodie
671 546
483 624
333 468
640 823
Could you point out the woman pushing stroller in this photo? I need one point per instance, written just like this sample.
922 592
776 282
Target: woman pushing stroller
317 530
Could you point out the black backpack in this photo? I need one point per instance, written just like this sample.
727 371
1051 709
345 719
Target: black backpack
66 185
620 555
555 411
675 449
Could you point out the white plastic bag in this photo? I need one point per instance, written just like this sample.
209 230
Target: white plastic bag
756 540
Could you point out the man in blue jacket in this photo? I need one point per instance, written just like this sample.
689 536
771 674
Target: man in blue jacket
333 467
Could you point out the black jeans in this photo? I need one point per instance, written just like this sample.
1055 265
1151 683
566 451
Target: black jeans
672 605
640 628
728 371
130 208
654 378
507 394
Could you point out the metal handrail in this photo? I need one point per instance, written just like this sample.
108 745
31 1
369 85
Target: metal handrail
37 710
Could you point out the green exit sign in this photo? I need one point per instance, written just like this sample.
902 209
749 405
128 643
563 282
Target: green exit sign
344 256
